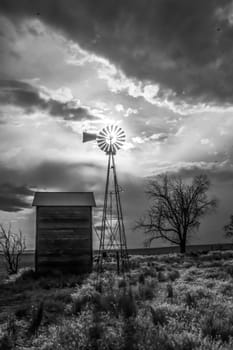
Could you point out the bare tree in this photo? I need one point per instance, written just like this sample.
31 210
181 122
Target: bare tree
229 227
12 246
176 208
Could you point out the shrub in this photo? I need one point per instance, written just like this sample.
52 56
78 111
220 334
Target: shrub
227 289
11 326
149 271
52 308
48 283
159 316
127 304
122 283
173 275
216 325
63 295
227 255
189 278
130 335
141 278
162 276
79 303
146 291
169 291
22 311
229 270
73 333
37 315
95 330
28 274
194 255
160 267
99 287
190 299
217 255
187 264
107 303
6 342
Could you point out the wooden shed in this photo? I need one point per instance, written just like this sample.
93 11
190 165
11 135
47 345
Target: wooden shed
63 231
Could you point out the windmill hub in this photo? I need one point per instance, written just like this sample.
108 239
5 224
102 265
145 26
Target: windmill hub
111 138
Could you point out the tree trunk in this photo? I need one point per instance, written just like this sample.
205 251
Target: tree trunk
182 247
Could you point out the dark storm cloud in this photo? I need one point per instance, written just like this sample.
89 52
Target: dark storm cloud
25 95
67 176
45 176
220 173
14 198
184 45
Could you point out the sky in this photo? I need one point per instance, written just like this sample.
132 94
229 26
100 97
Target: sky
162 70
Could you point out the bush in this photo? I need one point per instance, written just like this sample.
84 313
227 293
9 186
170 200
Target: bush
130 335
141 278
169 291
162 277
229 270
146 291
122 283
227 289
173 275
63 295
190 300
107 303
159 316
6 342
28 274
227 255
217 325
79 303
52 309
37 315
127 305
22 311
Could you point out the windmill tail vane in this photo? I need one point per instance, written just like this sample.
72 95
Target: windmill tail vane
87 136
112 238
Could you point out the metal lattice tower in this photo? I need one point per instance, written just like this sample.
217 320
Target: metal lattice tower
112 241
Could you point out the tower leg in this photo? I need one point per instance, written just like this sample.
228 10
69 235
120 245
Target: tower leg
114 233
124 258
104 218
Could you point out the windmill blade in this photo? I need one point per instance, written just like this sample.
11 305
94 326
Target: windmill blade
111 138
87 136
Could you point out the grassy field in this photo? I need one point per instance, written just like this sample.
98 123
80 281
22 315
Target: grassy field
169 302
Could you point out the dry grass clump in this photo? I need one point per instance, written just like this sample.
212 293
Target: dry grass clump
36 319
162 276
227 288
6 342
159 315
173 275
170 292
218 324
147 290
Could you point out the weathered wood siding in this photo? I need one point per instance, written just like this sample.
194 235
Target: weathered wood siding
64 239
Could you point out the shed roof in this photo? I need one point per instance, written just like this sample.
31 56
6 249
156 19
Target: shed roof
82 199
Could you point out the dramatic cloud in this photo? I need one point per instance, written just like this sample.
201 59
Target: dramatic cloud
30 98
185 47
14 198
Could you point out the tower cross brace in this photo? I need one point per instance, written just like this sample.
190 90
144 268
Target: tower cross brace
112 243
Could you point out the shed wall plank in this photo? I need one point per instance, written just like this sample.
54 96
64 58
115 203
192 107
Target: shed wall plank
64 238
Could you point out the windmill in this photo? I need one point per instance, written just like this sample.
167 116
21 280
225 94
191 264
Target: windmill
112 240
